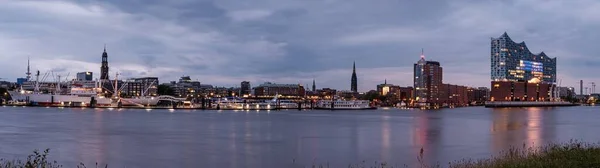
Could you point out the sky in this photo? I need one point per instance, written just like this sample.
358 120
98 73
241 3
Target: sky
224 42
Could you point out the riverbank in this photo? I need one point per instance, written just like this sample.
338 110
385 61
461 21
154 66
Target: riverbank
571 154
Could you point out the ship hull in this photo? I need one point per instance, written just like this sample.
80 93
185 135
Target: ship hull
57 100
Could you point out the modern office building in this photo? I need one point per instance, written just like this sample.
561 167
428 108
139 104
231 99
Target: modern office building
429 89
85 76
514 62
427 80
519 75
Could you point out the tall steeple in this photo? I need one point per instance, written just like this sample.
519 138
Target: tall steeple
354 80
28 70
104 67
314 86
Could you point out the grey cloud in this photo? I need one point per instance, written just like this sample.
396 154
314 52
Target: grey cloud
225 41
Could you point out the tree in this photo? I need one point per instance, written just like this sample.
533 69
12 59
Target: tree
165 90
4 94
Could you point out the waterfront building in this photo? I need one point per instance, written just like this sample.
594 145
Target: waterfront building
395 93
514 62
85 76
565 92
354 79
269 89
186 87
521 91
477 95
427 81
245 89
519 75
452 95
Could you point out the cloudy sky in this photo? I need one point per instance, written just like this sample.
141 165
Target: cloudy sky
223 42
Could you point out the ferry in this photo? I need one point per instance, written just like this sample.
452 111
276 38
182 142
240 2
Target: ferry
344 105
230 103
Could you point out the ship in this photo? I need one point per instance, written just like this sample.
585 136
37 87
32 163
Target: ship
77 96
344 105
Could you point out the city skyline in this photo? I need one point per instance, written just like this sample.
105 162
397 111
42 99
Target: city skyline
225 43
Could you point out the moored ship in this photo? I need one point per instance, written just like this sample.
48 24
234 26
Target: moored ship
344 105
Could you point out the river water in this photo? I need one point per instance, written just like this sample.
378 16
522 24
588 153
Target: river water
185 138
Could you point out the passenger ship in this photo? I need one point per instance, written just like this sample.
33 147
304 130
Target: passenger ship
344 105
77 97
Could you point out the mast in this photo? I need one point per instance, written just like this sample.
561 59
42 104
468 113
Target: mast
37 82
115 87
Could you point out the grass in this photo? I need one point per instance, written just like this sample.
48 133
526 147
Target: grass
36 160
573 154
570 154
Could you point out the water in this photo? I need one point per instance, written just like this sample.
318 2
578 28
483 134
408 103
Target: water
167 138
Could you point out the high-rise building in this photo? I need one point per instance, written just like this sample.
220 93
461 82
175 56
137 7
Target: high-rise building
514 62
354 80
519 75
427 80
245 88
85 76
104 67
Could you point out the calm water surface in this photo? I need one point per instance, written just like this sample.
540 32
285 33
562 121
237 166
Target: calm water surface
163 138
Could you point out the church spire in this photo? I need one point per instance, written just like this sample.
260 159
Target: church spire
354 80
104 67
314 86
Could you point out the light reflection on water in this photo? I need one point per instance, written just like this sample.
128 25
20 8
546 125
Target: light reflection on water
183 138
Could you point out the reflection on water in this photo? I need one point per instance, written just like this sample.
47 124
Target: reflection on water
176 138
529 127
426 132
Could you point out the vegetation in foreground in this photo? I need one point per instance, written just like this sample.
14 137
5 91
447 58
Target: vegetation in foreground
571 154
564 155
36 160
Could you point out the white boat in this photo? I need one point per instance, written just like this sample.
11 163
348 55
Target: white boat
287 104
230 104
74 99
344 105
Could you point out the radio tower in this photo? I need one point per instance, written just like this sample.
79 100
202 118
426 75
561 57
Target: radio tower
28 71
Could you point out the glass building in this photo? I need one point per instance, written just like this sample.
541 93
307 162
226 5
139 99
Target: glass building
514 62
